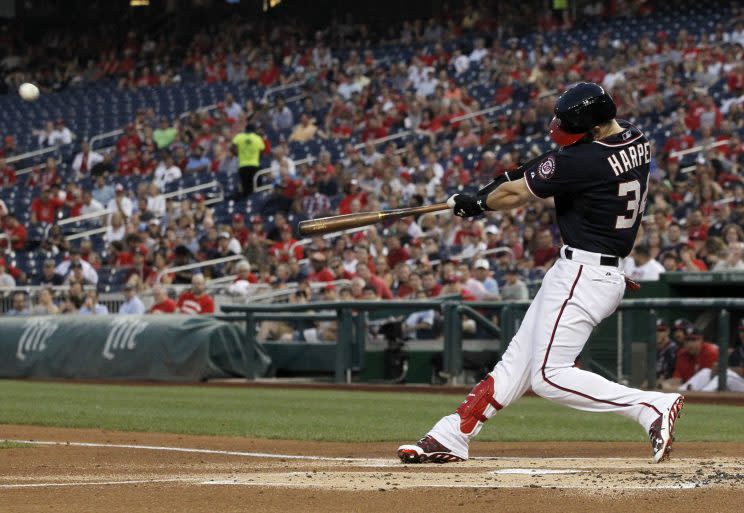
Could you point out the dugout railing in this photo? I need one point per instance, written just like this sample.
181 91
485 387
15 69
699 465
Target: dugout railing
346 356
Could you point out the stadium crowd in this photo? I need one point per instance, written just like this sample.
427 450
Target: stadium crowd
686 87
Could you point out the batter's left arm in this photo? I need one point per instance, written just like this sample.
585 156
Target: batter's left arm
508 196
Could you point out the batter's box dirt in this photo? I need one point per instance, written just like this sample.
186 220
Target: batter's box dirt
89 470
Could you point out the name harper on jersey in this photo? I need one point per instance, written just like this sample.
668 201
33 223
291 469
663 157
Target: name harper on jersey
630 157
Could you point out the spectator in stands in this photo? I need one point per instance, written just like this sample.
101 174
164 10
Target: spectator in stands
731 258
77 274
90 206
248 147
514 289
545 252
91 306
165 134
416 321
16 232
6 280
49 276
695 361
20 306
167 171
85 160
163 304
670 262
102 192
666 353
196 301
155 201
120 203
198 162
482 273
60 134
90 274
641 267
7 174
305 130
43 135
282 118
105 168
132 304
44 209
45 303
690 262
116 229
320 271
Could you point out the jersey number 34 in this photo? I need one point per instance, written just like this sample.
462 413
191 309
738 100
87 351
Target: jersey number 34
635 204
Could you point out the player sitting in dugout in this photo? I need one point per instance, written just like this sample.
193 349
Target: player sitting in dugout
697 364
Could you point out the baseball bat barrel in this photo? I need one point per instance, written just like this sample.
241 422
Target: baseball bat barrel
325 225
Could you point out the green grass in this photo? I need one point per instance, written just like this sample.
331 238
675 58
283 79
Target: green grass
13 445
323 415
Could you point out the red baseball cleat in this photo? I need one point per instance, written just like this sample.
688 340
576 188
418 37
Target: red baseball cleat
662 431
426 450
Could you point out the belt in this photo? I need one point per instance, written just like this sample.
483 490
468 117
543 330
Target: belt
591 258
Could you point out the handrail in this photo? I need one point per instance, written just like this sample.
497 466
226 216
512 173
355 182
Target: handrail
85 217
695 149
29 169
194 188
30 154
87 233
283 87
197 265
104 135
292 287
267 170
198 109
327 236
461 256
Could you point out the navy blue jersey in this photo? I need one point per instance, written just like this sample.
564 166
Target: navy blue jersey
599 190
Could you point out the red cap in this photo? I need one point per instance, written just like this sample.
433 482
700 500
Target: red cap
198 197
256 219
457 159
330 286
560 136
405 175
238 218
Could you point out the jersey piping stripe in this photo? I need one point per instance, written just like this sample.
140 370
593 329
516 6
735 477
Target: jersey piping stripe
550 344
619 144
527 183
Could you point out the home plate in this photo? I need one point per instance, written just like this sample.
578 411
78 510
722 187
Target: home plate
536 471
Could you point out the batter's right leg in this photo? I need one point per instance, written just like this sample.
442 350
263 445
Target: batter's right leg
448 440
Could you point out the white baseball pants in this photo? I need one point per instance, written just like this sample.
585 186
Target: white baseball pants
705 381
574 297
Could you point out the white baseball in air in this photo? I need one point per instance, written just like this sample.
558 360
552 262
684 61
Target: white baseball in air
28 92
451 201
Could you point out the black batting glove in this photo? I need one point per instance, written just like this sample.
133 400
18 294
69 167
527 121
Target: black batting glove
465 205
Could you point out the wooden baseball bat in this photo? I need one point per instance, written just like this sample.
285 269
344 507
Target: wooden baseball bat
346 222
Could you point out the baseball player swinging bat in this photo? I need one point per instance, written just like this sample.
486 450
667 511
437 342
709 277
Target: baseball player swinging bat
598 180
346 222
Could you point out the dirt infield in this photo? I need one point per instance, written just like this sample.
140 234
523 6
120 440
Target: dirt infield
92 470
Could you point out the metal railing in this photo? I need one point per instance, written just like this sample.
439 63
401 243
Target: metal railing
696 149
478 254
197 265
32 154
352 329
283 87
104 135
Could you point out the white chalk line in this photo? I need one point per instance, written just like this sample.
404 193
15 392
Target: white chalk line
202 451
93 483
369 461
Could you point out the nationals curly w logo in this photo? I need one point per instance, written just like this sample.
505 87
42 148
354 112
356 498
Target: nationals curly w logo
35 334
122 335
